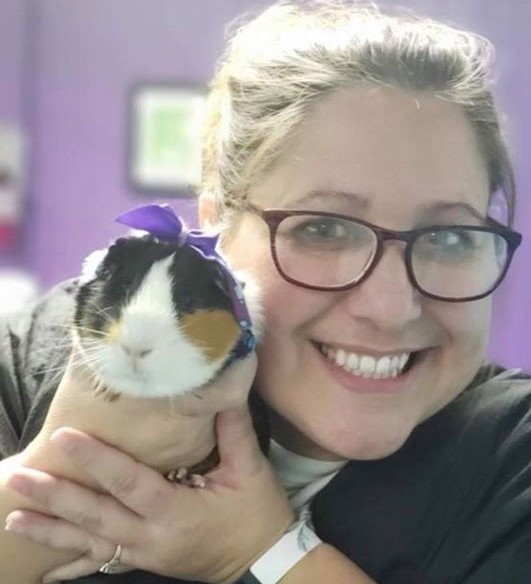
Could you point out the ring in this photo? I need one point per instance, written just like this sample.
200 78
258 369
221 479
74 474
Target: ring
113 565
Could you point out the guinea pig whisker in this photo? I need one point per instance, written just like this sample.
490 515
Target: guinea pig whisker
90 356
55 372
62 325
95 332
101 311
80 328
88 347
49 351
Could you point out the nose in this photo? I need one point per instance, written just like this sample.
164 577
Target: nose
386 299
135 352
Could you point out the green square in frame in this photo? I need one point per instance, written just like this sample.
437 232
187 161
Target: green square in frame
165 145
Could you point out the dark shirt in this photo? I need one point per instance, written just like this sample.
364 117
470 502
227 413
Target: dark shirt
452 506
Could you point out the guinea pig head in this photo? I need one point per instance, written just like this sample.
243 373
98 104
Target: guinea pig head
155 319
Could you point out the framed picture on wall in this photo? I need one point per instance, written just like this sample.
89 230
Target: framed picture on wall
164 138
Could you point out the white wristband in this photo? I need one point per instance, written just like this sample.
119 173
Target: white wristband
283 555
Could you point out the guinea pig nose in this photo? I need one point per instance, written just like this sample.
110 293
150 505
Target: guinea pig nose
135 352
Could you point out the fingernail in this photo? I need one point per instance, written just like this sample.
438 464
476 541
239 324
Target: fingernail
19 484
63 442
12 526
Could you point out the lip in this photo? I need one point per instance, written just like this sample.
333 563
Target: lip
365 386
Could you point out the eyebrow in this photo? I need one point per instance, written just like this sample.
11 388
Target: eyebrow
441 207
346 197
361 202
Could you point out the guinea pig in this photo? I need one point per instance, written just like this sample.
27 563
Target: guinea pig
154 317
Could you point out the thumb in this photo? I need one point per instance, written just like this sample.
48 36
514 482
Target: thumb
237 442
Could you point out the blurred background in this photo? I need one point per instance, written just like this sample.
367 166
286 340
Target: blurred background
76 111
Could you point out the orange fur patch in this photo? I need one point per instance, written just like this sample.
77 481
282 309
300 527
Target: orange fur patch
215 332
111 331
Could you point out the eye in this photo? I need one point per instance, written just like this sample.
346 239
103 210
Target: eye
448 243
322 231
455 239
323 228
186 303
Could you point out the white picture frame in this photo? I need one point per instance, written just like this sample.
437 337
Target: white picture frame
165 138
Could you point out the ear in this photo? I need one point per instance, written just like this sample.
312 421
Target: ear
91 264
207 209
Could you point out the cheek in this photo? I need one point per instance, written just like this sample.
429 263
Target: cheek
284 305
467 325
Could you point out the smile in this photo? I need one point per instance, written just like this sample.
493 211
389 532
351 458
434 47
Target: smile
367 366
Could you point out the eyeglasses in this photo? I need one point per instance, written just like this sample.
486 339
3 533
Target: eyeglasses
328 251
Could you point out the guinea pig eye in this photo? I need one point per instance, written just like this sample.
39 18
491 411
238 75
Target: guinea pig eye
186 303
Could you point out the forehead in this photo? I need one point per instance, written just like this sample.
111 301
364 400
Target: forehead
398 153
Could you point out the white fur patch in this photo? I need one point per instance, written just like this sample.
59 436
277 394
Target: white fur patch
172 365
91 264
251 293
149 355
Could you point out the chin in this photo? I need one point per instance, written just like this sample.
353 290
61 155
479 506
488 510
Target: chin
370 445
374 451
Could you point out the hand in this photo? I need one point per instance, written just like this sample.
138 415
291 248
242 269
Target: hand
211 534
164 433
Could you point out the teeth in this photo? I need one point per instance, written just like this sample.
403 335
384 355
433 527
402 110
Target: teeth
352 361
340 357
367 366
383 365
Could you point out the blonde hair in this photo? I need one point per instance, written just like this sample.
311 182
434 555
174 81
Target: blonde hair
294 53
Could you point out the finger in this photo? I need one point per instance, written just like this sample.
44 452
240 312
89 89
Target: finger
92 512
136 486
58 534
82 567
237 442
50 531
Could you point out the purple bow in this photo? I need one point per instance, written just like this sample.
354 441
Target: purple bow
162 222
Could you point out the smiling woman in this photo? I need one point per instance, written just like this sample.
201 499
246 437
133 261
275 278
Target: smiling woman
350 162
345 144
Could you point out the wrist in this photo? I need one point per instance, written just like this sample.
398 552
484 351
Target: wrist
298 541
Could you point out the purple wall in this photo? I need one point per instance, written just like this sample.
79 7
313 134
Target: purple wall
11 58
87 55
13 76
90 55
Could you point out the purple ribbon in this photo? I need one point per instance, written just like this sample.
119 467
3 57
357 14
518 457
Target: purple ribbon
162 222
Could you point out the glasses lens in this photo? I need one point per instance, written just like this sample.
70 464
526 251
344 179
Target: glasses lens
459 263
323 251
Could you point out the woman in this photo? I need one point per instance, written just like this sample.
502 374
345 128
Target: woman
353 159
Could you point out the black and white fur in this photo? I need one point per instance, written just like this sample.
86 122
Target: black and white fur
132 301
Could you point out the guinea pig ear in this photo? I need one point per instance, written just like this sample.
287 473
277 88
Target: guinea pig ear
91 264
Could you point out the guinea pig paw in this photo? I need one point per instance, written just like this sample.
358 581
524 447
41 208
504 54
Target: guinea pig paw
182 477
177 475
197 481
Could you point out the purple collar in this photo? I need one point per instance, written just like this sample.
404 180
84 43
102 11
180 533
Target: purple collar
162 222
